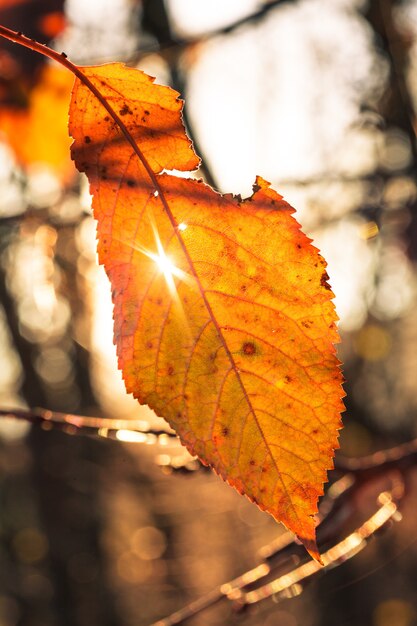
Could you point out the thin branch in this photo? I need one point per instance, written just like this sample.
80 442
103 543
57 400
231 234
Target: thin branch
398 457
135 431
161 29
140 431
336 511
174 48
335 556
61 58
252 18
288 583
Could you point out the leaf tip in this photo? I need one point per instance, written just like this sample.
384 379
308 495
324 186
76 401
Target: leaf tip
310 543
315 554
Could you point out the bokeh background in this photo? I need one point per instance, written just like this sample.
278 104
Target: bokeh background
318 97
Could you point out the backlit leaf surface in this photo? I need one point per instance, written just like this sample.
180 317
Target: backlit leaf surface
223 317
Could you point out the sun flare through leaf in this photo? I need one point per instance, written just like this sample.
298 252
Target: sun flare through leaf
223 316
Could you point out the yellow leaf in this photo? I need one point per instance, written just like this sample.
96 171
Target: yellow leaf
223 317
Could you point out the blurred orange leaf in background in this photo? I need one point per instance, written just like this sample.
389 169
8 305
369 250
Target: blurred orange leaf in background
38 133
223 318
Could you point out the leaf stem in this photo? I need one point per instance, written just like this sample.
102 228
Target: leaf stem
153 176
61 58
41 48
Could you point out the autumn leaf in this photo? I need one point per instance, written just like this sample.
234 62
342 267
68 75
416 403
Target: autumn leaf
223 317
33 94
38 133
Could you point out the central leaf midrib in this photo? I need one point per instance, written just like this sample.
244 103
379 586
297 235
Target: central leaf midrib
154 179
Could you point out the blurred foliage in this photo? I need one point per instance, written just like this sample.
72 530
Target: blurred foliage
319 97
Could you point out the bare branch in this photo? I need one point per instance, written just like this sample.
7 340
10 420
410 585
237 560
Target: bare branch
174 48
285 566
399 457
240 592
139 431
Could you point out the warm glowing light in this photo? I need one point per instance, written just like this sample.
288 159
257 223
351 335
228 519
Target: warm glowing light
165 265
163 262
369 230
131 436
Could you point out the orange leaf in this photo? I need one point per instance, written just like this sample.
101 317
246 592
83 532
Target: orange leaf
223 317
38 134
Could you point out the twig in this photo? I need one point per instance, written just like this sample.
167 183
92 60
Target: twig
161 29
335 556
336 511
398 457
289 582
136 431
174 48
140 431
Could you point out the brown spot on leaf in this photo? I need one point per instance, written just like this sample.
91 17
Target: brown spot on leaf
87 139
125 110
249 348
274 281
323 280
170 370
252 462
